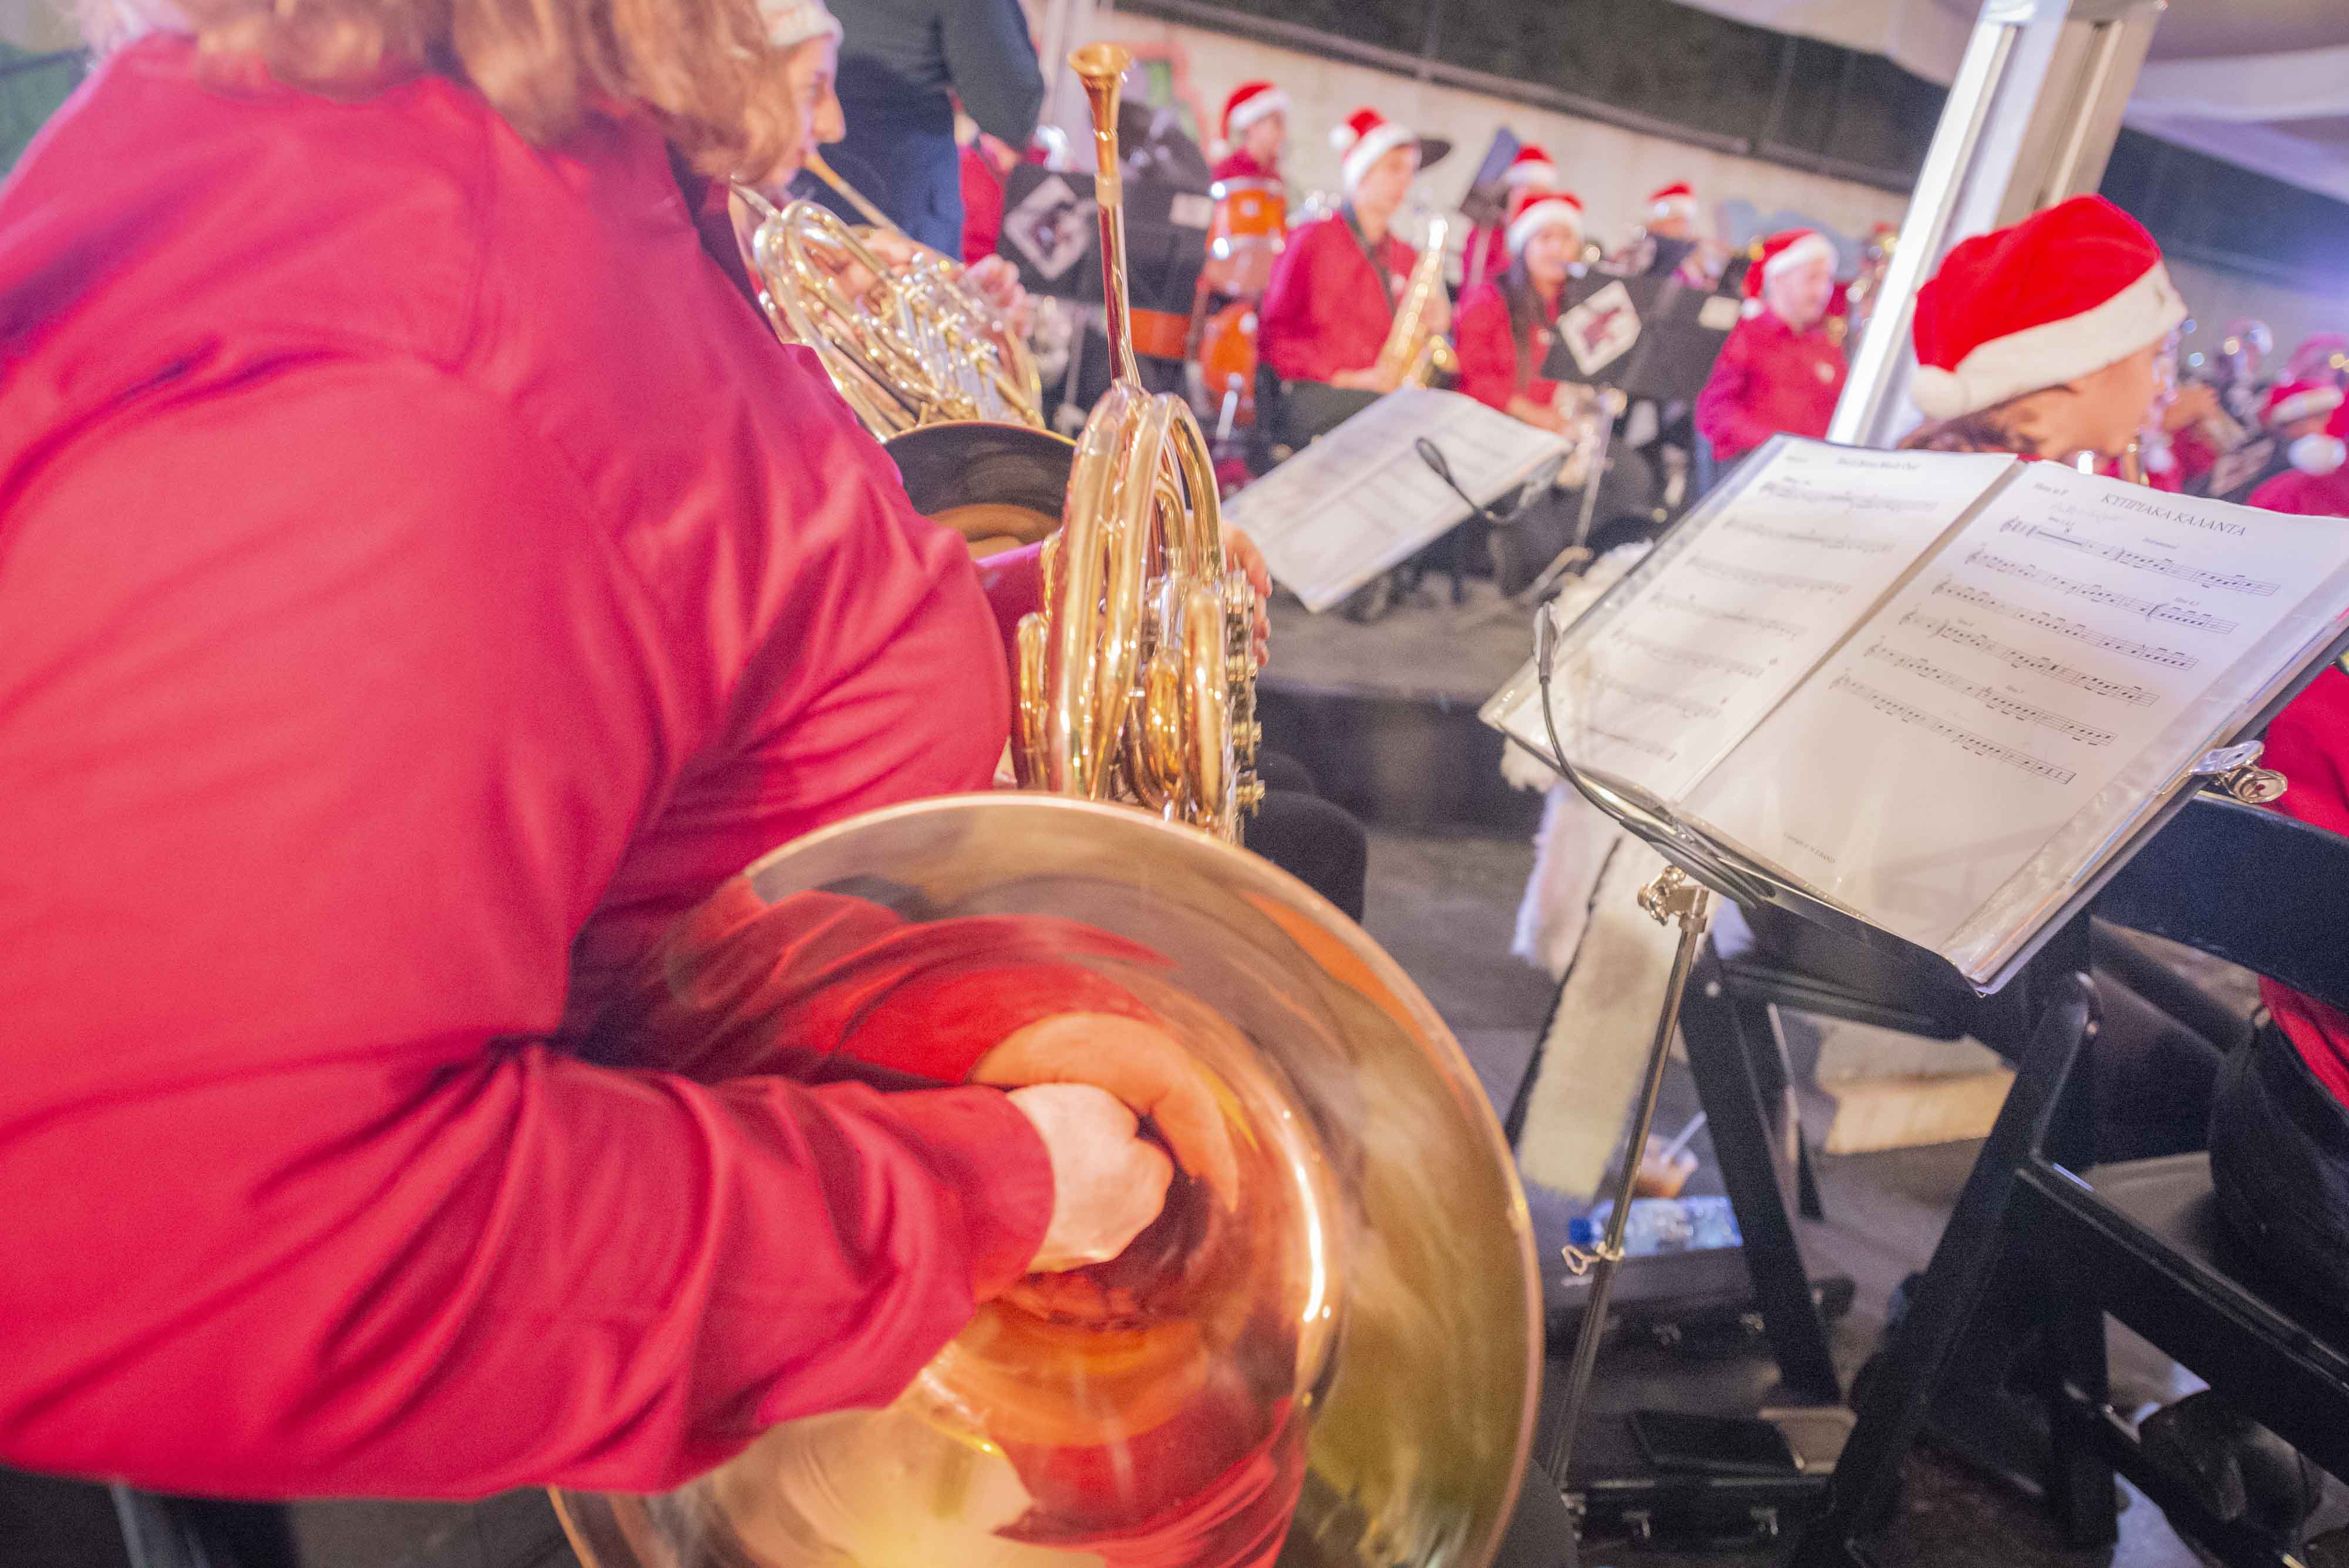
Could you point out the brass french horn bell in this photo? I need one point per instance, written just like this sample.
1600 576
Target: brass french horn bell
1340 1366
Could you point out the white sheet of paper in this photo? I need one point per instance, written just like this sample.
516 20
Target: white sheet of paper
1361 499
1724 630
2010 683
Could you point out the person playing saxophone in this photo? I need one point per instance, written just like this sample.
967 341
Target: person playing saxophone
1336 289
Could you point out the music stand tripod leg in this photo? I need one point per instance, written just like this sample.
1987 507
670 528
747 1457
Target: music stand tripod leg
1672 898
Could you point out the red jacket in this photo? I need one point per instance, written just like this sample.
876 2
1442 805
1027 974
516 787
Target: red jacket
982 205
2309 494
425 577
1241 164
1324 311
1492 370
1769 378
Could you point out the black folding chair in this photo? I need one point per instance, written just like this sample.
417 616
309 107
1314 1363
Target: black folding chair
2139 1241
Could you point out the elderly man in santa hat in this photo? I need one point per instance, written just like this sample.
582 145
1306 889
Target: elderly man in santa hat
2309 421
1332 298
1781 368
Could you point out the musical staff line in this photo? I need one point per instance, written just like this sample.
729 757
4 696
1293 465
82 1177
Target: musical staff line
1845 499
1997 701
1689 657
2163 566
1688 706
1811 540
2127 647
1965 739
1636 743
2095 594
1688 605
1790 581
2036 663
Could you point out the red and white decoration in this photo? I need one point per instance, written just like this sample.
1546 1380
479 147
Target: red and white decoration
1531 168
1364 138
1250 102
1534 210
1676 199
2059 295
1784 251
2289 402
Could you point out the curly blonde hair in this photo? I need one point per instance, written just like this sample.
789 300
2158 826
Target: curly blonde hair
705 67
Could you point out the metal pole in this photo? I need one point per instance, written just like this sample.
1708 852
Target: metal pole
1672 896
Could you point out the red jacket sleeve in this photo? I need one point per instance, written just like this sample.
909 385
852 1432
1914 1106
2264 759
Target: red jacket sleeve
1290 330
1488 361
1724 408
304 807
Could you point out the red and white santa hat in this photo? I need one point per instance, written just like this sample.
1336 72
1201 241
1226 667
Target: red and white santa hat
1249 102
1536 208
1676 199
1782 253
2289 402
1364 138
1531 167
2064 293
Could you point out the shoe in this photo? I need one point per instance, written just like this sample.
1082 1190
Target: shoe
2235 1469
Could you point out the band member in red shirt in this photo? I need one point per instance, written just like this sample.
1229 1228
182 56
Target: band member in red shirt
1487 253
382 673
1254 131
2312 422
1505 325
1332 298
1782 368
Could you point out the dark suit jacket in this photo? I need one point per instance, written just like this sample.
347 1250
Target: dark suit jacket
899 61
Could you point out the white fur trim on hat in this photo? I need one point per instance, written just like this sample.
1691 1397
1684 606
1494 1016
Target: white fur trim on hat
1548 213
1375 144
2052 352
795 22
1674 206
1519 175
1811 247
2305 405
1258 106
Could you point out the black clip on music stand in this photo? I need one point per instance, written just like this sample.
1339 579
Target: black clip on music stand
1699 867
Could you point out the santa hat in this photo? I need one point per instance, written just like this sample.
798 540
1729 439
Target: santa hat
793 22
2066 292
1676 199
1249 102
1534 210
1782 253
2289 402
1364 138
1530 167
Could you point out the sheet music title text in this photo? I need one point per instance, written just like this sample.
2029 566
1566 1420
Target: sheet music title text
2172 515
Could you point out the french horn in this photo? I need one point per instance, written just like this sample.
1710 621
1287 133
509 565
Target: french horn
906 345
1338 1364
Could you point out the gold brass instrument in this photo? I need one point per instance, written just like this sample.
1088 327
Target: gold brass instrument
1415 352
1136 680
908 345
1342 1365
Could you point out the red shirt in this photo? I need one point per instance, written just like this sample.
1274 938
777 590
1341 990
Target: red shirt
1486 256
1325 312
424 576
1769 378
2308 495
982 205
1241 164
1491 369
2308 744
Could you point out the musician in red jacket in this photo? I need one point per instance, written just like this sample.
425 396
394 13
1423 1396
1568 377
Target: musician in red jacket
384 673
1505 325
1486 255
2311 420
1781 368
1254 131
1332 298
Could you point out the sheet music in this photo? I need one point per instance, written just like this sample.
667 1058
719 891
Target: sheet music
1362 499
1984 717
1722 628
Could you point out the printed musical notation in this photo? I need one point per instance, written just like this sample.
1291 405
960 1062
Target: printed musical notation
1688 658
1997 701
2121 555
1947 630
1845 501
1686 706
2127 647
1792 582
1688 605
2095 594
1808 538
1965 739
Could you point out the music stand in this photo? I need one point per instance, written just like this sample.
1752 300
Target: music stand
1051 234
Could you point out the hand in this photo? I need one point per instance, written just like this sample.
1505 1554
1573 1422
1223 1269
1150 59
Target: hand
1371 379
1241 554
996 282
2191 405
1138 1063
1108 1184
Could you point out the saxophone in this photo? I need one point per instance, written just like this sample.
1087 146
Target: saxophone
1414 353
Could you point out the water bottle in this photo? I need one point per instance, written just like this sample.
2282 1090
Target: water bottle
1661 1225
